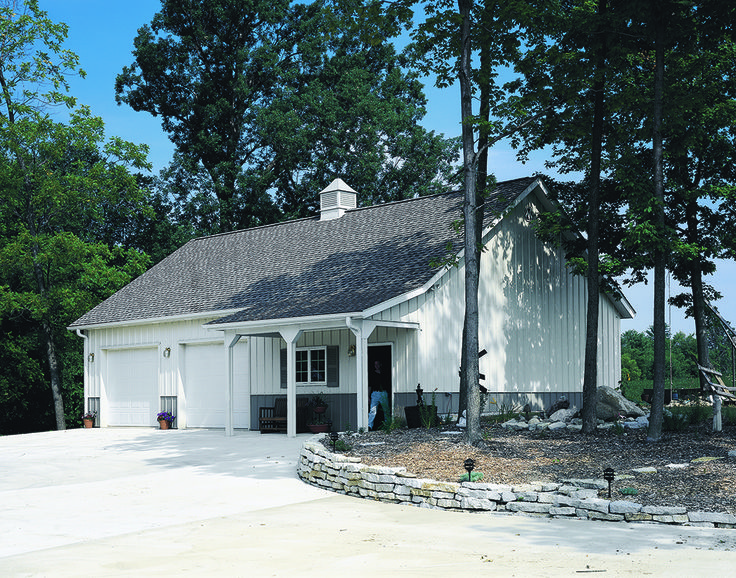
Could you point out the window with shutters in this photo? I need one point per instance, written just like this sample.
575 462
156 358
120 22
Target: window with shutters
314 366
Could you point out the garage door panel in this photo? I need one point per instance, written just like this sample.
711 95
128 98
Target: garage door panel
205 369
132 387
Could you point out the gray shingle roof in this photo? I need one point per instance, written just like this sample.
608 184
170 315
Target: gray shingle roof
300 268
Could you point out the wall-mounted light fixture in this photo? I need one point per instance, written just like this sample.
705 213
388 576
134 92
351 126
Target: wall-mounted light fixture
351 351
167 352
91 357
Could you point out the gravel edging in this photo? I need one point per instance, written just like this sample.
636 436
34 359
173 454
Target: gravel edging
571 499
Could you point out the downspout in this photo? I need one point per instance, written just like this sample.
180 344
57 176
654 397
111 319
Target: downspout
86 367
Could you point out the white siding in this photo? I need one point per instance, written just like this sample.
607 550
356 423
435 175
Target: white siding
532 322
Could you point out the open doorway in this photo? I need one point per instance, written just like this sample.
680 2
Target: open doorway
379 385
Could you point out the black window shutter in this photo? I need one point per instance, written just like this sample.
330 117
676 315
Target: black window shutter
333 366
283 369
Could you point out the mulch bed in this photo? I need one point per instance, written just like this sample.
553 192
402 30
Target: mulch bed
514 458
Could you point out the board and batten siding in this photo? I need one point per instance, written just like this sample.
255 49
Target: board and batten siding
532 322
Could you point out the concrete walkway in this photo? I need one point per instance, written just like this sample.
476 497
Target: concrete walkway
132 502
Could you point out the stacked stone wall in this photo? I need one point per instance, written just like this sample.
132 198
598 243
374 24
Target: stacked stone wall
570 499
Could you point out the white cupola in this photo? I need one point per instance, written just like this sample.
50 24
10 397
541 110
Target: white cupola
335 199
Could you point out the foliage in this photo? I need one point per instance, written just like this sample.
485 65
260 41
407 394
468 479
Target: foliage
637 355
634 389
267 102
165 416
428 413
60 183
90 415
628 491
317 400
342 446
392 421
681 418
474 477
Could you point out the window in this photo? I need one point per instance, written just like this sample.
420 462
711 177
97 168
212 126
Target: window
314 366
311 366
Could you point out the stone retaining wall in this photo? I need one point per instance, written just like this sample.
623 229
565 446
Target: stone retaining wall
570 499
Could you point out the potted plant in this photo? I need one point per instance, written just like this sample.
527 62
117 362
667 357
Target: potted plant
165 419
89 419
319 406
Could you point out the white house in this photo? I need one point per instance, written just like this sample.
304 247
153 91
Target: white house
229 322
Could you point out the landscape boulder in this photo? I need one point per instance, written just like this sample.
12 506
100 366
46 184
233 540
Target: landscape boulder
564 414
561 403
610 405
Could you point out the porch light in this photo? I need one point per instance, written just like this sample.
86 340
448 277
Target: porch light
351 351
91 357
420 393
469 465
608 475
167 352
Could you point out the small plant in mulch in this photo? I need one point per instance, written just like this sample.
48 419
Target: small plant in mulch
629 491
342 446
475 477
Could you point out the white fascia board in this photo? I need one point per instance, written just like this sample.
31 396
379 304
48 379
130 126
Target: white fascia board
157 320
318 321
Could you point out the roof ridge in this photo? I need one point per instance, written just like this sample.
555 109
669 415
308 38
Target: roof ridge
316 217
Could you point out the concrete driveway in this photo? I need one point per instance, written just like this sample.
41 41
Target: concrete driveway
131 502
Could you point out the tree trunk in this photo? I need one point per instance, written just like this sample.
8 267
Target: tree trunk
481 191
470 161
660 258
51 355
590 378
55 374
696 286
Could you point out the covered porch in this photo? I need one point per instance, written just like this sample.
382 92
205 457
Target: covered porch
352 358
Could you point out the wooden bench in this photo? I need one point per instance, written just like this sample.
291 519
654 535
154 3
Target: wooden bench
273 419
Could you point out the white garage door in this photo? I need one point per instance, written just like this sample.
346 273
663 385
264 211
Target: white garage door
132 386
204 385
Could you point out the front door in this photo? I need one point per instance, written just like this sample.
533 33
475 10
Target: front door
379 385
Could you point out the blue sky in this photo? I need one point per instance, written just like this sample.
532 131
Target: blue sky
102 34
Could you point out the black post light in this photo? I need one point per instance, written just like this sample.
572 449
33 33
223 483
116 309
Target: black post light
608 475
334 437
420 393
469 465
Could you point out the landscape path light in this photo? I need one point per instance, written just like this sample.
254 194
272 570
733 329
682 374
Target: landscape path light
334 437
469 465
608 475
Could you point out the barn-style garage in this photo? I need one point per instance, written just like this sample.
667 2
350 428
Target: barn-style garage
228 323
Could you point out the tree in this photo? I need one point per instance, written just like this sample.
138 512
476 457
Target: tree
57 180
569 68
273 100
445 45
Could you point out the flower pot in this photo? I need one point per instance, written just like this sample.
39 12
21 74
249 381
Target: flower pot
320 409
88 422
163 424
319 427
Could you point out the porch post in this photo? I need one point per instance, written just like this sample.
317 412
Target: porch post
291 336
362 330
231 338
